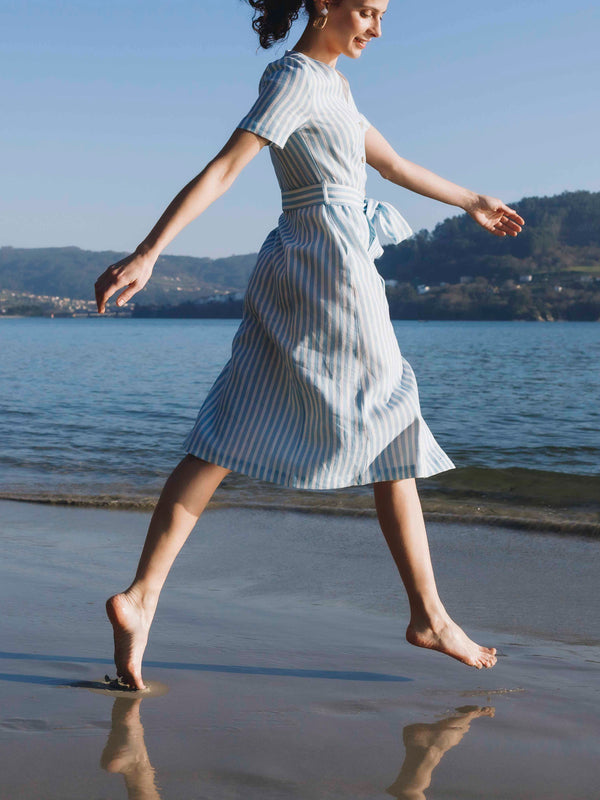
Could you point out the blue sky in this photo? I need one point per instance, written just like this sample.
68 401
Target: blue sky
108 109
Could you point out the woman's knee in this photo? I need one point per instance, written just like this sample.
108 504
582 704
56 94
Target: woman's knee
401 486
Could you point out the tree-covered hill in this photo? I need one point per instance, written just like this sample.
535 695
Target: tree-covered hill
560 233
551 270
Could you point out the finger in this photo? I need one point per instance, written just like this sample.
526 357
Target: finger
509 227
510 223
104 293
513 215
126 295
512 227
506 231
100 299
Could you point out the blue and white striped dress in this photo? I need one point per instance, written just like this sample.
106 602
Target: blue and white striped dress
316 394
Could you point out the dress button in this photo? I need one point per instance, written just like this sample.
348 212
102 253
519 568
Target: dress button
362 158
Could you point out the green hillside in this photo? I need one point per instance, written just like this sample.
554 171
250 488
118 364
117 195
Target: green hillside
551 270
561 234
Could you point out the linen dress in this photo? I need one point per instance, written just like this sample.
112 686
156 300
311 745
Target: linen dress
316 394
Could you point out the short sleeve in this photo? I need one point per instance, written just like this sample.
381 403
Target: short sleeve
282 105
364 121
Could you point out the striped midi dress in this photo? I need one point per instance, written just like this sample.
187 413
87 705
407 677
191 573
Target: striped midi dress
316 393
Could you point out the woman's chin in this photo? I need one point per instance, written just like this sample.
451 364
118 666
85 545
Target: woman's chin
354 52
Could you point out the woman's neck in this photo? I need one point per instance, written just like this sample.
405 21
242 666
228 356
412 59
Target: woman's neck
312 44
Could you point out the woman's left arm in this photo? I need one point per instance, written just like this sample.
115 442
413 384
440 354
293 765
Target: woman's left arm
490 212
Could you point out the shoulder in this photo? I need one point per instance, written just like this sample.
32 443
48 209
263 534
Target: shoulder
290 69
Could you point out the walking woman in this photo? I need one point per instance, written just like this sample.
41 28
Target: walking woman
316 394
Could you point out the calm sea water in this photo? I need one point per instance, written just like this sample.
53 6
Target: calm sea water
101 406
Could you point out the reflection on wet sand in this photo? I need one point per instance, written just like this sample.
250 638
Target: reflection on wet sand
426 744
125 750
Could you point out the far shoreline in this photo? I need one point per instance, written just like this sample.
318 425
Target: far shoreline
131 316
520 518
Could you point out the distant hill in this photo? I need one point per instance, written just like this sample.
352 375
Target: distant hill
456 271
72 272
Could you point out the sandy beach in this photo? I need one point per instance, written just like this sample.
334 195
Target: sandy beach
278 664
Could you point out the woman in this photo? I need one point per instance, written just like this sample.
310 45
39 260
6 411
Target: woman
316 393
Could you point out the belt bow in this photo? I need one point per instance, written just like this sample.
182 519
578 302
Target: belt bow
387 224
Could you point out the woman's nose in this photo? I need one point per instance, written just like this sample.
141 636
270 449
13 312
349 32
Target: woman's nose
375 28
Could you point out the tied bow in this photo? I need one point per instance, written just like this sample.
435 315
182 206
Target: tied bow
387 225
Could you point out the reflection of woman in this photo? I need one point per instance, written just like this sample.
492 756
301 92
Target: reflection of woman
426 744
316 394
125 750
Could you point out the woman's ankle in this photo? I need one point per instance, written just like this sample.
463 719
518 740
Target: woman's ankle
428 614
143 596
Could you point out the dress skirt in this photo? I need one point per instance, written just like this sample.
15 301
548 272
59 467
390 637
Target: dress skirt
316 393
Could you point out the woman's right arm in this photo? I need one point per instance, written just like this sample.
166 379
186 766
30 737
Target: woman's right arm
133 272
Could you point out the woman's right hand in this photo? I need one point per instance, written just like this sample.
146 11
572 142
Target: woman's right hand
131 273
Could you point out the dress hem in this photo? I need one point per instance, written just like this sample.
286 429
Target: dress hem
274 476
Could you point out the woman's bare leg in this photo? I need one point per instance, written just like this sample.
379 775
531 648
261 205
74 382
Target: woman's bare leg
184 496
401 520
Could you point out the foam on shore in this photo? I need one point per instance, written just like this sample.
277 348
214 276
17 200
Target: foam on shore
523 499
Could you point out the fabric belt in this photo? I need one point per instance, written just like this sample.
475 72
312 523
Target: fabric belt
386 223
325 192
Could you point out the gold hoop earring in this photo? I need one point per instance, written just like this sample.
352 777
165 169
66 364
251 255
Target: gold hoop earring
320 21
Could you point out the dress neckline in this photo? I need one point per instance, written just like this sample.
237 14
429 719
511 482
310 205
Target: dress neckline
323 64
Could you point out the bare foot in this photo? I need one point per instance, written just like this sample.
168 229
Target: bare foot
131 623
449 638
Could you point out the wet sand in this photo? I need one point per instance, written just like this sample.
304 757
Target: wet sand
280 666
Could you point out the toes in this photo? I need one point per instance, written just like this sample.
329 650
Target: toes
484 660
488 656
134 680
134 683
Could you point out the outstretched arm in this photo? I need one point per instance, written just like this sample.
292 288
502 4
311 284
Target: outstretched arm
490 212
133 272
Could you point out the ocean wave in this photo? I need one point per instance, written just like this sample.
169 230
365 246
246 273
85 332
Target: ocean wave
523 499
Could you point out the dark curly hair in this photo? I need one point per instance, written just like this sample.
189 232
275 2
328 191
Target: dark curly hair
273 18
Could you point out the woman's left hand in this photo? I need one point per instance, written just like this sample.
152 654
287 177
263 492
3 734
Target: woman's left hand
493 215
